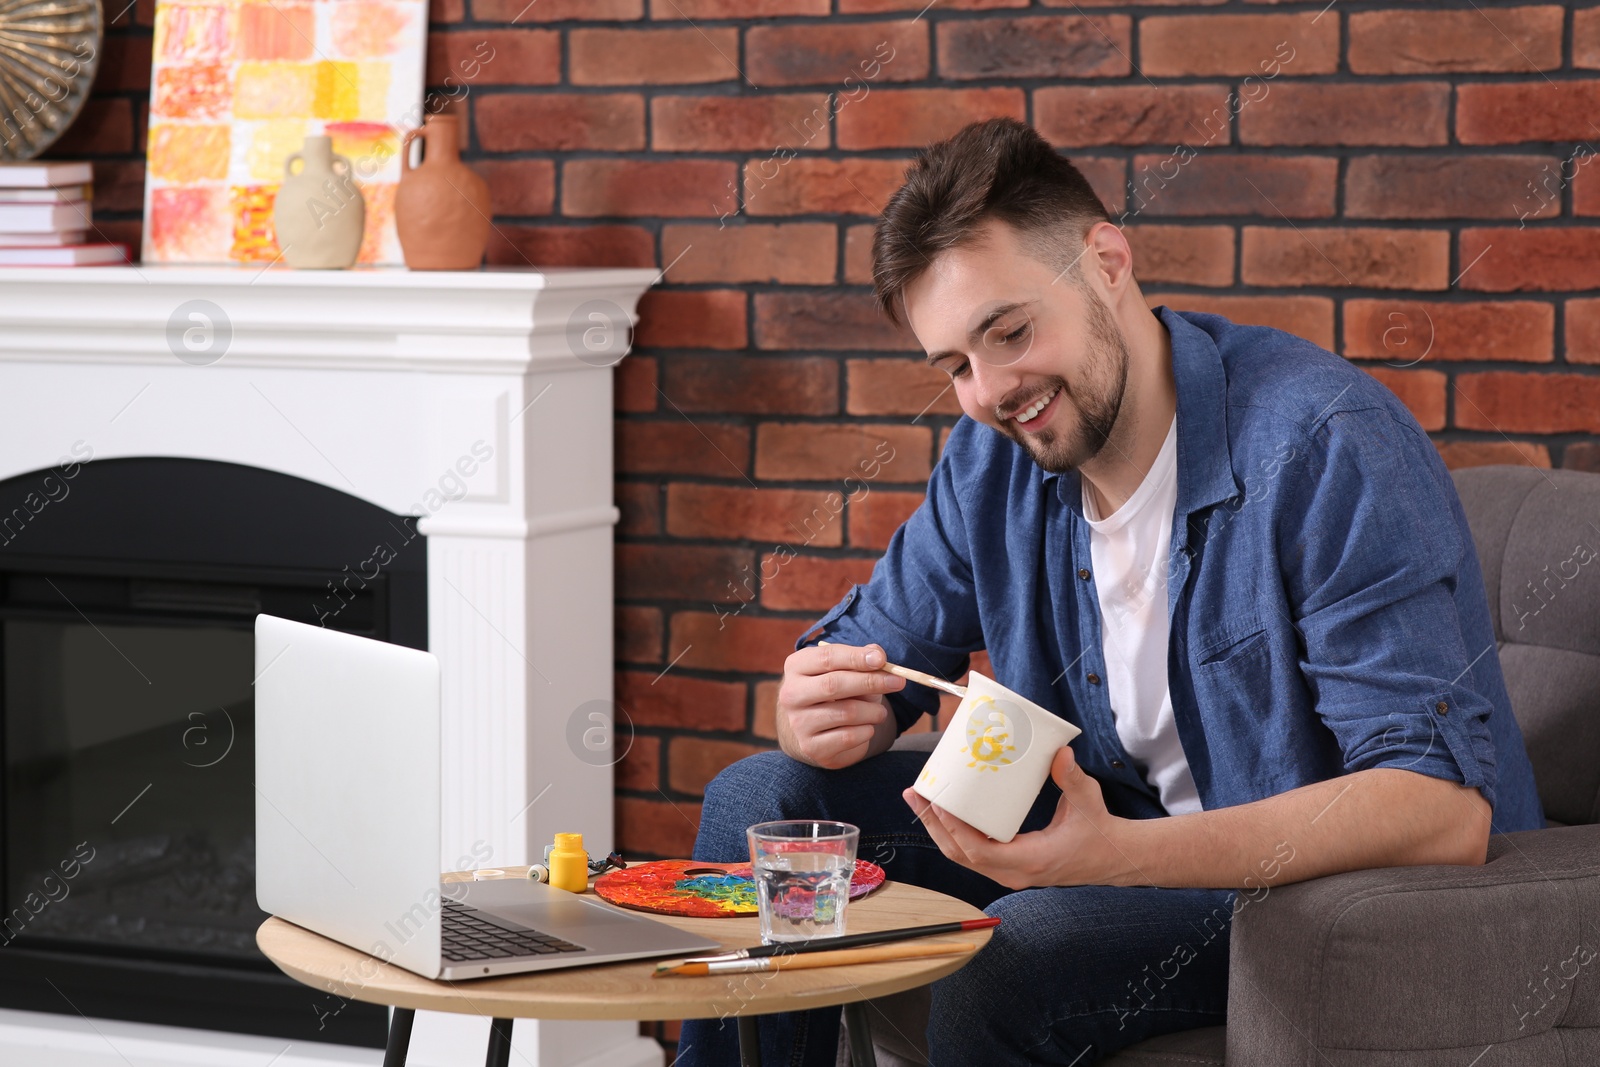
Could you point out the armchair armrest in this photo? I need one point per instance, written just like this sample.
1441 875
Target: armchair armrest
920 742
1396 966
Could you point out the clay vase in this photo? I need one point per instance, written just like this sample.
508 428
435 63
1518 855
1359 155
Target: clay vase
319 213
441 210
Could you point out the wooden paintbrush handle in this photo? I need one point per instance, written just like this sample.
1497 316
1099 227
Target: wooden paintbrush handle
875 954
917 676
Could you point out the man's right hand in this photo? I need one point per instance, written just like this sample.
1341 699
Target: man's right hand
831 711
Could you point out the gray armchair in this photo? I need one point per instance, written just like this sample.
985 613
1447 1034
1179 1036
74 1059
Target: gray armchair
1435 966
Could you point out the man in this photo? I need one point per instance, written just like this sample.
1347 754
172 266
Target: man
1231 558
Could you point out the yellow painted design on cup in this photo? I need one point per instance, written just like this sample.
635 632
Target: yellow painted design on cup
988 735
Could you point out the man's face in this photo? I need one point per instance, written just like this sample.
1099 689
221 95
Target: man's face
1013 332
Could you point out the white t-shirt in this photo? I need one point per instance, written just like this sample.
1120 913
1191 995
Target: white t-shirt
1129 555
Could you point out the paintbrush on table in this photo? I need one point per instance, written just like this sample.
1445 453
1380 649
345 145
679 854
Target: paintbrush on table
790 961
833 944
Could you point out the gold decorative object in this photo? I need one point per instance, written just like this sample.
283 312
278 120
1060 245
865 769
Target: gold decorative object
49 50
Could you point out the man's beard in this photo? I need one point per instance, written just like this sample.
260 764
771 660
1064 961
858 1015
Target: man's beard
1097 398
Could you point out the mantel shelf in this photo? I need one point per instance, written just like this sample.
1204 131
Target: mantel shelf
493 321
509 279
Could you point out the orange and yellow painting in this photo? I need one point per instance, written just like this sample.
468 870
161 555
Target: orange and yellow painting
237 85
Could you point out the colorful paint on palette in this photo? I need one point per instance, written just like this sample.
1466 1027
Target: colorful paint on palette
703 890
237 87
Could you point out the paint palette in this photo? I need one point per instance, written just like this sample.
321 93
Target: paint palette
703 890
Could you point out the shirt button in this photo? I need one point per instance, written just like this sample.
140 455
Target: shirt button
1083 572
1116 763
1441 707
1094 679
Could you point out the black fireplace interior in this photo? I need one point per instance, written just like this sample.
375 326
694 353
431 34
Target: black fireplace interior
128 594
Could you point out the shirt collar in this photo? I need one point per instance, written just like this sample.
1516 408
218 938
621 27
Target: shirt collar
1205 463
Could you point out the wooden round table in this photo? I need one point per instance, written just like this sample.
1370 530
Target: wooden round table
628 990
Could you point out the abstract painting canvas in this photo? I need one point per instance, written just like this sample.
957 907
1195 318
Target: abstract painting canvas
236 85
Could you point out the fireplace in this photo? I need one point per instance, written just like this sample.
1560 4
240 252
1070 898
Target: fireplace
420 457
128 593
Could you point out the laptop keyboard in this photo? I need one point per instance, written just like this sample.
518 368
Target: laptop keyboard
470 935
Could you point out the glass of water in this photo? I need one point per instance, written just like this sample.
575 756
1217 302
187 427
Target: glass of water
802 871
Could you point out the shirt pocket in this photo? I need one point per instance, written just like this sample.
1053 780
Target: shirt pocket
1238 647
1246 704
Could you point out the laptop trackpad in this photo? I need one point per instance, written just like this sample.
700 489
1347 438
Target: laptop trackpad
596 926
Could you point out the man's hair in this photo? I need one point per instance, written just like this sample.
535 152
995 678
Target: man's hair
996 169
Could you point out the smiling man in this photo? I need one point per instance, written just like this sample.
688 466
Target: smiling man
1231 558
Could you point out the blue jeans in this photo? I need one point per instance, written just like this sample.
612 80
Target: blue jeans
1070 976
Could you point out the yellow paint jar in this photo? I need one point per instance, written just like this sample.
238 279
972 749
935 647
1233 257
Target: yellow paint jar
569 863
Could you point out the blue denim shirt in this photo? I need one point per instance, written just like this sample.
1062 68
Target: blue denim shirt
1327 608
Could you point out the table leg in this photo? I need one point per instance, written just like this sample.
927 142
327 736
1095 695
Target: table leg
860 1026
499 1043
394 1053
749 1042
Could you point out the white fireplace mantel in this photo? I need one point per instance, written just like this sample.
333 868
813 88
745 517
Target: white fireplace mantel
391 386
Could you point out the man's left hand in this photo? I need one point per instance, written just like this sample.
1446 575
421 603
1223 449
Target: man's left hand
1079 847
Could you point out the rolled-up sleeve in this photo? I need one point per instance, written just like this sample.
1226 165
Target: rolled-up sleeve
1370 549
920 603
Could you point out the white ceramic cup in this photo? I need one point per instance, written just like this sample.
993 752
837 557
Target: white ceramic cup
993 759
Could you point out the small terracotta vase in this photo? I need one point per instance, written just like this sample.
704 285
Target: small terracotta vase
319 213
441 210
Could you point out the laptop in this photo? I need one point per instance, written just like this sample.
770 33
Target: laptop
348 824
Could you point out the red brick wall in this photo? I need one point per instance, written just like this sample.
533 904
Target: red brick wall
1387 181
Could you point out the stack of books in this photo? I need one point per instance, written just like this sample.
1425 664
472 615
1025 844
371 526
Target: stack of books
46 217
